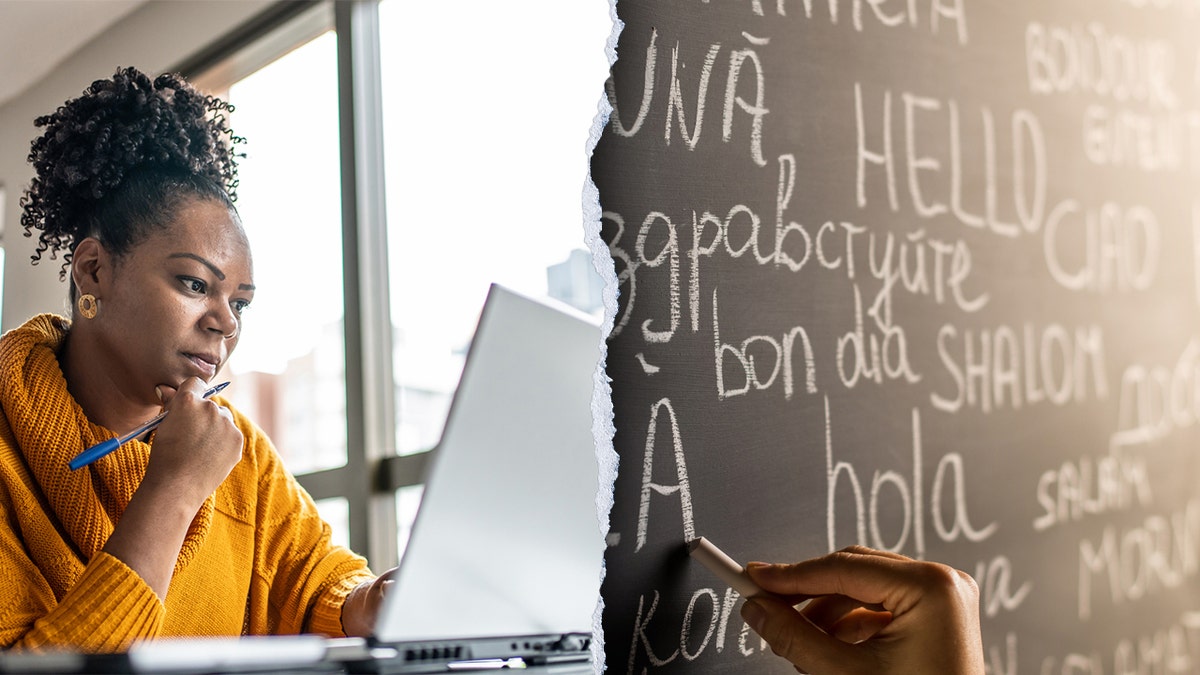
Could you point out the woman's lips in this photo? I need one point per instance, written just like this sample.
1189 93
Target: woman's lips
205 363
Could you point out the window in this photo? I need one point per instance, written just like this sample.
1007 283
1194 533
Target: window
289 367
290 364
479 188
477 191
484 146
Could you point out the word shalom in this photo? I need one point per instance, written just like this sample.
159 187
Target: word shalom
1010 367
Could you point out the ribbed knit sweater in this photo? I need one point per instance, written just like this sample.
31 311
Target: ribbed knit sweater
257 558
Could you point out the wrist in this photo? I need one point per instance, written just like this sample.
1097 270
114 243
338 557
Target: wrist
351 614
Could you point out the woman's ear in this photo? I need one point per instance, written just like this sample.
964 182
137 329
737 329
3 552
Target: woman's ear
89 266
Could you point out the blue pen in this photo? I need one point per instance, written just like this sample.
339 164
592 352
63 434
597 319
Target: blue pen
101 449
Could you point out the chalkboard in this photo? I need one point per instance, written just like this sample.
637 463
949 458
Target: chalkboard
916 274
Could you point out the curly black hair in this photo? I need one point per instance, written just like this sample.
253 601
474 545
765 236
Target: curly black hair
121 158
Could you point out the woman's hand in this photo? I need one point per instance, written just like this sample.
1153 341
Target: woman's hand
872 612
195 447
361 607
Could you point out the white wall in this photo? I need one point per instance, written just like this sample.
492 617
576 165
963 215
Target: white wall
153 38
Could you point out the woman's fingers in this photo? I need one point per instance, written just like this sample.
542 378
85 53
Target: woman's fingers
796 639
845 618
870 577
874 609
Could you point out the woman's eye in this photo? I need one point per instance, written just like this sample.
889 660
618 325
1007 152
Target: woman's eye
193 285
240 306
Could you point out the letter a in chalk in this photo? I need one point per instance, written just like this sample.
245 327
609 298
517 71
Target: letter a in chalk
649 486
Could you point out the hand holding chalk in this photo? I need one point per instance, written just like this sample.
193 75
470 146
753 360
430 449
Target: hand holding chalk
873 607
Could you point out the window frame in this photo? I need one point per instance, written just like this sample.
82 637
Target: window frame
373 471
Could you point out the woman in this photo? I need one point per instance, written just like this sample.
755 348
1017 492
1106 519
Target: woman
198 530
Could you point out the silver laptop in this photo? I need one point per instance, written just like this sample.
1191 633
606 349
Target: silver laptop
505 554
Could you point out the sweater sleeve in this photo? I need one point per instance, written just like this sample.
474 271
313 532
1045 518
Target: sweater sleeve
303 575
107 609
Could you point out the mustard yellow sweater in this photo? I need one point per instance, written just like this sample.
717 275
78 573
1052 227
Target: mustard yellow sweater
257 558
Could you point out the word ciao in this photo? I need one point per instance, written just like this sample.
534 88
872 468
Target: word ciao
1091 60
1173 650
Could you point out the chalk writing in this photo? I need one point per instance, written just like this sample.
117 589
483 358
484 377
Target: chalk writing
1160 554
1155 400
1091 59
998 369
1171 650
928 270
778 353
1028 164
704 626
650 487
734 101
1119 247
950 472
1115 482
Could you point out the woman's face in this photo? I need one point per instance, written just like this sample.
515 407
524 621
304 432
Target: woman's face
172 307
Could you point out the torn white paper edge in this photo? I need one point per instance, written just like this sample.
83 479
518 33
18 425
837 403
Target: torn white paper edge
602 408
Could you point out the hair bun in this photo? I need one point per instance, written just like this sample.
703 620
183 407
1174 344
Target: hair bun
120 126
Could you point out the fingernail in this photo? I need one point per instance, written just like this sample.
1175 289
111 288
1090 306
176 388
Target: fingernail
158 392
757 565
753 614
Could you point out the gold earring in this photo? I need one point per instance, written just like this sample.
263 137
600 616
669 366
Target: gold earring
88 306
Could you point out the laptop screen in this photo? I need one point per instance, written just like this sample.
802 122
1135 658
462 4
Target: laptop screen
507 541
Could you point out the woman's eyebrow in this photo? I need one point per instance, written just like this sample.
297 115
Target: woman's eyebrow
213 268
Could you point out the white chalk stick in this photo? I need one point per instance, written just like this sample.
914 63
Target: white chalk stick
726 568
